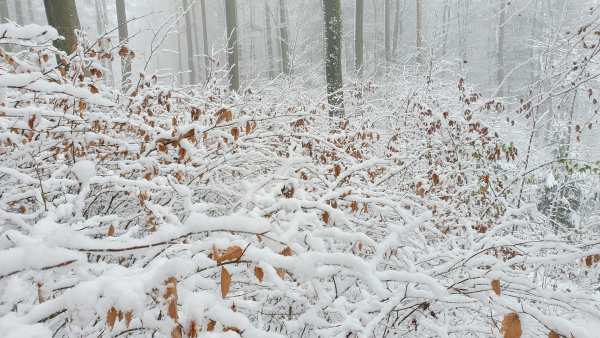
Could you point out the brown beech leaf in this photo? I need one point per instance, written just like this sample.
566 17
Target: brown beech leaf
286 252
111 230
589 260
94 90
225 282
176 333
511 326
41 298
281 273
435 178
63 72
211 326
193 331
596 258
496 287
128 318
553 334
258 272
171 297
111 317
325 217
232 253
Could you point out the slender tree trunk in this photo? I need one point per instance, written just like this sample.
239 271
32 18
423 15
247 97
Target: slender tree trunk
283 31
419 32
396 28
269 40
376 44
4 16
196 41
333 59
232 45
190 43
387 28
123 36
104 25
62 15
19 12
358 37
500 52
205 37
446 21
179 59
30 11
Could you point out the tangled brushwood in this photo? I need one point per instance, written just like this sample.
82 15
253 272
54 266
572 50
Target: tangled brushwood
161 212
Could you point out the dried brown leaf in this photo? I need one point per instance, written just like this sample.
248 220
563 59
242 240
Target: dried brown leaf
225 282
211 326
111 230
216 255
128 318
553 334
111 317
258 272
193 331
496 287
511 326
286 252
232 253
281 273
589 260
94 90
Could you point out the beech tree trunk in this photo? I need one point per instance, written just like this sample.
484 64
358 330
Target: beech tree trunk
333 59
62 15
196 41
284 42
205 37
4 16
358 37
397 28
500 52
419 32
232 45
269 41
19 12
123 36
387 28
190 43
30 11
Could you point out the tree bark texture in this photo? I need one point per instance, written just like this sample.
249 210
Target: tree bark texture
386 28
269 41
358 37
19 12
205 37
419 32
232 45
62 15
500 52
123 36
190 43
4 16
30 11
333 58
283 31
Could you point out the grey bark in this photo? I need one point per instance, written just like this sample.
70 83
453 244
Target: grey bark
196 41
123 36
358 37
397 28
500 51
419 32
30 11
4 16
190 43
333 59
62 15
19 12
232 45
205 37
269 41
284 42
387 28
179 59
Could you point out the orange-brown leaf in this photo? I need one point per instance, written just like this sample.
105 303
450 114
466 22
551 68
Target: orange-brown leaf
258 272
211 326
496 287
128 318
111 317
281 273
193 331
553 334
111 230
589 260
216 255
511 326
286 252
232 253
94 90
225 282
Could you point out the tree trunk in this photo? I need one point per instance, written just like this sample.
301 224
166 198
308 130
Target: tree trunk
387 29
419 32
283 31
62 15
333 59
196 41
232 45
104 25
358 38
205 37
269 40
500 52
190 43
179 59
4 16
19 12
396 28
123 36
30 11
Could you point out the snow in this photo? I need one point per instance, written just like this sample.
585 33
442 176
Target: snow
84 171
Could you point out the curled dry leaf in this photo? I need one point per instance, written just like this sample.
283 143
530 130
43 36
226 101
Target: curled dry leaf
553 334
128 318
94 90
225 282
511 326
286 252
171 298
111 230
496 287
258 272
232 253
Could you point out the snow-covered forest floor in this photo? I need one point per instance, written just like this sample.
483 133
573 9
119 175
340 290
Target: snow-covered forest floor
158 211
